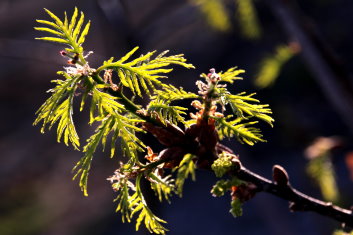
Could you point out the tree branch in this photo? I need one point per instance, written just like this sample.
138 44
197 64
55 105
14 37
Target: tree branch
281 188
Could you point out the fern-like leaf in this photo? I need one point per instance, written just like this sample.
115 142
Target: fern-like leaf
58 107
123 187
83 166
244 132
138 205
126 129
169 93
241 106
186 167
103 104
231 75
68 33
166 112
143 73
122 127
163 187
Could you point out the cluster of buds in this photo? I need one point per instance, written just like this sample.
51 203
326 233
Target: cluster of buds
199 115
77 68
122 175
213 76
212 79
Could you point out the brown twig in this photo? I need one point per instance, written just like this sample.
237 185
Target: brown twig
298 201
280 186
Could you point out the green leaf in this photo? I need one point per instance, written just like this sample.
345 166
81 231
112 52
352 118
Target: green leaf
243 131
186 168
84 33
139 205
241 106
166 113
171 93
60 34
122 127
222 186
320 168
103 104
52 39
125 128
236 207
215 13
248 20
58 107
65 32
143 73
83 166
231 75
223 164
163 187
271 65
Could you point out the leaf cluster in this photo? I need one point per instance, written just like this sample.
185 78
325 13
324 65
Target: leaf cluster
66 32
244 108
223 164
118 119
223 186
131 204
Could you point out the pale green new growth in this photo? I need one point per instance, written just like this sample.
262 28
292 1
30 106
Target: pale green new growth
84 165
165 112
231 75
222 186
163 187
160 104
138 205
241 106
119 119
271 65
186 168
223 164
129 205
244 132
215 14
247 17
236 208
59 108
144 72
68 33
171 93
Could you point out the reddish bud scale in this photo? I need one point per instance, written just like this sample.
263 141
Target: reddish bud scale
244 192
175 154
169 136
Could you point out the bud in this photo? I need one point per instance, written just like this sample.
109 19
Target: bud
63 53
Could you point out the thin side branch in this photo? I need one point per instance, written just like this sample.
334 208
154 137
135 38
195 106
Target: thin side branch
298 201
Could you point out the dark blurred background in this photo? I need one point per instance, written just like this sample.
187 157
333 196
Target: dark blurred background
298 57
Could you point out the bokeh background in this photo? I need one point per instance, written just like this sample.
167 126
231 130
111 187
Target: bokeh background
298 57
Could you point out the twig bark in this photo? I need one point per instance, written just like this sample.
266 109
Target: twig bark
280 186
298 201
